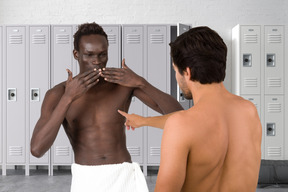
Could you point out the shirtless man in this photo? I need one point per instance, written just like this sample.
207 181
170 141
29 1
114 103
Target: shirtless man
86 106
215 146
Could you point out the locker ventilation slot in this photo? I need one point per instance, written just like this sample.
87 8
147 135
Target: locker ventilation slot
15 151
15 39
274 82
274 108
250 38
274 38
155 151
62 39
274 151
111 38
156 38
250 82
38 39
133 38
134 151
62 151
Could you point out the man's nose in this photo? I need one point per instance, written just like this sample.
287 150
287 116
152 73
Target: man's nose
96 61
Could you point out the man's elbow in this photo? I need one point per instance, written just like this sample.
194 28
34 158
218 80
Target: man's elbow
36 152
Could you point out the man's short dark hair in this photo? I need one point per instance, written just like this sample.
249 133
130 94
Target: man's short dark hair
203 51
88 29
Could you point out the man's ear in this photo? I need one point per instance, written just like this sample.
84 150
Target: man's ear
187 73
75 54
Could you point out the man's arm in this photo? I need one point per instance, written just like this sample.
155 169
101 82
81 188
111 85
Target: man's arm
54 109
134 121
148 94
174 155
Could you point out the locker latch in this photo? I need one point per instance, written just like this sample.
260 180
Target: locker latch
270 60
35 94
12 94
271 129
247 60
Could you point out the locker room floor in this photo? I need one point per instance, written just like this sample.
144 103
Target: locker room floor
39 181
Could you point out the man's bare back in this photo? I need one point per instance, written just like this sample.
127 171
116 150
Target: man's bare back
217 135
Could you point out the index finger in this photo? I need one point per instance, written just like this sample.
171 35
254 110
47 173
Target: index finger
122 113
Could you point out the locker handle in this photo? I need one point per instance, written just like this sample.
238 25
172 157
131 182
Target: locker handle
35 94
12 94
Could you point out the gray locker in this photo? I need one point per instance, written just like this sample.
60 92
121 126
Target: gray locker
1 100
246 51
186 104
114 50
274 59
61 59
15 90
39 80
274 127
133 52
158 74
256 100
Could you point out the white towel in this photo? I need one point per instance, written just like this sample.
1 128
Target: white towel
124 177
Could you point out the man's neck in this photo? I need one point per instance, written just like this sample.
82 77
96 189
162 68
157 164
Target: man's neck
200 91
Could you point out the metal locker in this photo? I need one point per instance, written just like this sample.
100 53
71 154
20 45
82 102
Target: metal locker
1 92
246 53
274 59
274 127
15 89
39 79
158 62
133 52
114 50
256 100
61 59
186 104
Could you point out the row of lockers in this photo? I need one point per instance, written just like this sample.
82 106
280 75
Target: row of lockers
35 58
258 74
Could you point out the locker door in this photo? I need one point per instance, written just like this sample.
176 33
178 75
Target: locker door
274 127
62 59
274 59
158 74
256 100
1 92
133 52
39 67
15 83
186 104
114 50
250 59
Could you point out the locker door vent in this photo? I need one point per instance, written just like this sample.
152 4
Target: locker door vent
274 108
134 151
250 82
112 38
15 39
133 38
274 151
274 38
274 82
62 151
250 38
154 151
15 151
38 39
156 38
62 39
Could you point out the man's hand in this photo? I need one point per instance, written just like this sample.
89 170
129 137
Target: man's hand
77 86
132 120
123 76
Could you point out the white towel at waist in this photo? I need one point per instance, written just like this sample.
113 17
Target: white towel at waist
124 177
